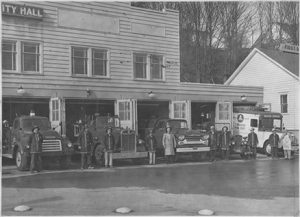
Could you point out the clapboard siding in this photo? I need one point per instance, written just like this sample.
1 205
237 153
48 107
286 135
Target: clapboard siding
260 71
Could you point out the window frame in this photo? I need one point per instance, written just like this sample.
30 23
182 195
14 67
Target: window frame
19 56
149 76
284 104
89 73
16 55
37 55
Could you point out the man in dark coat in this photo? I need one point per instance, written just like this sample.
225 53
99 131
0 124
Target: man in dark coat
151 144
212 143
225 139
252 142
109 143
35 147
274 140
86 142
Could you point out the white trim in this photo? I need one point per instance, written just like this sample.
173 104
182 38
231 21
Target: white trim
248 58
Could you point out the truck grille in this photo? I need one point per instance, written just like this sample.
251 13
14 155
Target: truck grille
128 141
193 138
51 145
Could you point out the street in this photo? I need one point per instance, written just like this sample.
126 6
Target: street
235 187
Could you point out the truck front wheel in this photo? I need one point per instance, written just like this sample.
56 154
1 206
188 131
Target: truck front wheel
21 160
267 148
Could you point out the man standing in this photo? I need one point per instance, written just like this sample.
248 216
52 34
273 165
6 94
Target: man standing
151 145
212 143
35 146
225 139
274 140
253 141
86 141
109 143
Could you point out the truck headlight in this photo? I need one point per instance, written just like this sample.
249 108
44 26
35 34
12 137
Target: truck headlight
69 144
181 137
140 141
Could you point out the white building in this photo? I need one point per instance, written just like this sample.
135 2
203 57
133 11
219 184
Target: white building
278 73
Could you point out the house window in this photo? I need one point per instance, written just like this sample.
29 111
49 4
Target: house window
30 57
148 66
156 67
180 110
9 54
79 61
224 111
140 66
284 103
124 111
99 62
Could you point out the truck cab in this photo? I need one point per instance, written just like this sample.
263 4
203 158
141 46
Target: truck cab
16 145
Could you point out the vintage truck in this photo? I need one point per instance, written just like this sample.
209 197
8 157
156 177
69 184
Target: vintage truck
193 142
15 142
128 146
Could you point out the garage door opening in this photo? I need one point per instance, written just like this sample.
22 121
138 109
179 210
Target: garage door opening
148 112
82 111
202 115
14 107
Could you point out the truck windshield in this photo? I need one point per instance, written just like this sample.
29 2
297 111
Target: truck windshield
42 123
178 124
267 124
107 121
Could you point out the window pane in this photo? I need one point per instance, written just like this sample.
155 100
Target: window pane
30 48
79 61
30 62
156 67
9 55
140 66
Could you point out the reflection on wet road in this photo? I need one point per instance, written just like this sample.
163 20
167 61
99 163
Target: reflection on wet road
251 179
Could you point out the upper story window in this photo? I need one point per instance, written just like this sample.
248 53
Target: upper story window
156 67
90 62
30 57
79 61
9 55
284 103
99 62
21 56
148 66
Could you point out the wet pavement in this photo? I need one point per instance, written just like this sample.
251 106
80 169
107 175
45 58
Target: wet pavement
237 187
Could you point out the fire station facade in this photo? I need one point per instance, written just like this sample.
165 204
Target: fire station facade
70 60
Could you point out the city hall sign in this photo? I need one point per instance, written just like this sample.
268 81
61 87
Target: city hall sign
22 11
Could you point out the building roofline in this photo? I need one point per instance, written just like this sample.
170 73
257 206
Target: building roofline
249 57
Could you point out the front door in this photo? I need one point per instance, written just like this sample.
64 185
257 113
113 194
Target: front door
126 110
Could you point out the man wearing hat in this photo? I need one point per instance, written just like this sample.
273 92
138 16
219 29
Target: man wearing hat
109 143
274 140
85 139
253 141
151 144
35 147
225 139
212 143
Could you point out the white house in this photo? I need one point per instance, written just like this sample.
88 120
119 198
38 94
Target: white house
278 73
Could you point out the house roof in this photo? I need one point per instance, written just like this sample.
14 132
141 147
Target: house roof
289 61
286 61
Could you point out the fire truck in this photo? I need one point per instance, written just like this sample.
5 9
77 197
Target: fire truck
263 122
15 141
128 146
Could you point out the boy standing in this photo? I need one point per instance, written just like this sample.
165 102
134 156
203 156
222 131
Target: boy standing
109 143
151 144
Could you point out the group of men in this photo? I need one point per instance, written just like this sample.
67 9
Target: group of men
224 140
86 147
